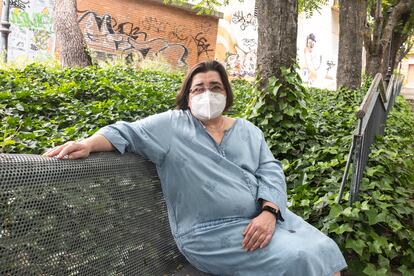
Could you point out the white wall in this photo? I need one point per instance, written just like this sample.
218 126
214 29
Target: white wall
237 43
318 64
237 38
32 35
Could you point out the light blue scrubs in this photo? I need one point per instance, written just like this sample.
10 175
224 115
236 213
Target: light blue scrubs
212 193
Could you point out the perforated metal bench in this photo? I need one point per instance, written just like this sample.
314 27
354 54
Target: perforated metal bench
104 215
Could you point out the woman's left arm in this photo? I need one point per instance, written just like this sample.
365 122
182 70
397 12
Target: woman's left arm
272 184
272 192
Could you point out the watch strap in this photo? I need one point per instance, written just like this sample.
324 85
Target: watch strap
274 211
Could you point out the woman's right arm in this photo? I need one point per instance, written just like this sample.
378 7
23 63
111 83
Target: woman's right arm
149 137
81 149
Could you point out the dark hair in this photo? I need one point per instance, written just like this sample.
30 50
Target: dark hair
181 100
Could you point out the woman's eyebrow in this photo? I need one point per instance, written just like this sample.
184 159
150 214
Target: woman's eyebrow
210 83
199 83
215 82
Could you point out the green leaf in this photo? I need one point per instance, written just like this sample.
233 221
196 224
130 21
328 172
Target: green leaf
371 270
357 245
372 216
342 229
335 211
19 107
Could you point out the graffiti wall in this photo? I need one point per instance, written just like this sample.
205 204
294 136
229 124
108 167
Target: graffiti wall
139 28
31 28
317 44
148 29
237 38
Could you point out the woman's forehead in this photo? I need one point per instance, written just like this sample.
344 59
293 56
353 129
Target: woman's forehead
206 78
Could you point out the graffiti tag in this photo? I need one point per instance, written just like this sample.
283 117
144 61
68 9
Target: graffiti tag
202 45
128 38
244 20
36 21
20 4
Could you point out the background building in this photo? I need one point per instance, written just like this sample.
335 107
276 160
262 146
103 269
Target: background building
407 69
317 44
124 27
148 27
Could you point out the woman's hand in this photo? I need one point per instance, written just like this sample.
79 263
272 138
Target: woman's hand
71 150
259 232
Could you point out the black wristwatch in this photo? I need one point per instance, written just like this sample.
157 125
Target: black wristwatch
274 211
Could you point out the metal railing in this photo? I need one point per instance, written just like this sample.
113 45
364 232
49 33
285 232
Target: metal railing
372 116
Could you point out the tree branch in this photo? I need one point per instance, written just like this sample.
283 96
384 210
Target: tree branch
404 6
367 37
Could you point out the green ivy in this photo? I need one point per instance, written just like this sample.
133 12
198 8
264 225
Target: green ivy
309 130
376 233
281 112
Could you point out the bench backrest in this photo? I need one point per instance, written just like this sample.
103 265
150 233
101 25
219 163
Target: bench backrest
104 215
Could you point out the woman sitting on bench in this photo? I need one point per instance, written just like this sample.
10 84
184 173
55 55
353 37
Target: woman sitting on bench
225 192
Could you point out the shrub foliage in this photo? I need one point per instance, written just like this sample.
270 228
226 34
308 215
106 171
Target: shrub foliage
310 131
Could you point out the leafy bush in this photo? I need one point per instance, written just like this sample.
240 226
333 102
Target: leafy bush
375 234
311 133
41 107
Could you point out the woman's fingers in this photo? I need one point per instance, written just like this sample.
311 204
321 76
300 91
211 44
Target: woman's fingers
72 150
247 228
258 242
78 154
266 241
54 151
259 232
249 244
248 234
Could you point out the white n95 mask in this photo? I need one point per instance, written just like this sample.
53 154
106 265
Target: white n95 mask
208 105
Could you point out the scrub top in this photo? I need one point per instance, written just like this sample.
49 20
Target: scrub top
212 193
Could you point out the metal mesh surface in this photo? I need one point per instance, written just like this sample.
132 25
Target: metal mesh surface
103 215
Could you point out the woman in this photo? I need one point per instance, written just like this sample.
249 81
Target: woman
225 192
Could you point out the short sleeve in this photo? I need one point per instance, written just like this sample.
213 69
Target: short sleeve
149 137
272 184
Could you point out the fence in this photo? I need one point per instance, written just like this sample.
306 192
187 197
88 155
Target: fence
371 116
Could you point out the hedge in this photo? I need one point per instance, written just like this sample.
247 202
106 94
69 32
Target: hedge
42 107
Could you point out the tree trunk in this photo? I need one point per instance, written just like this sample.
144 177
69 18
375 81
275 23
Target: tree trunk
391 54
373 64
69 35
387 24
278 24
352 17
